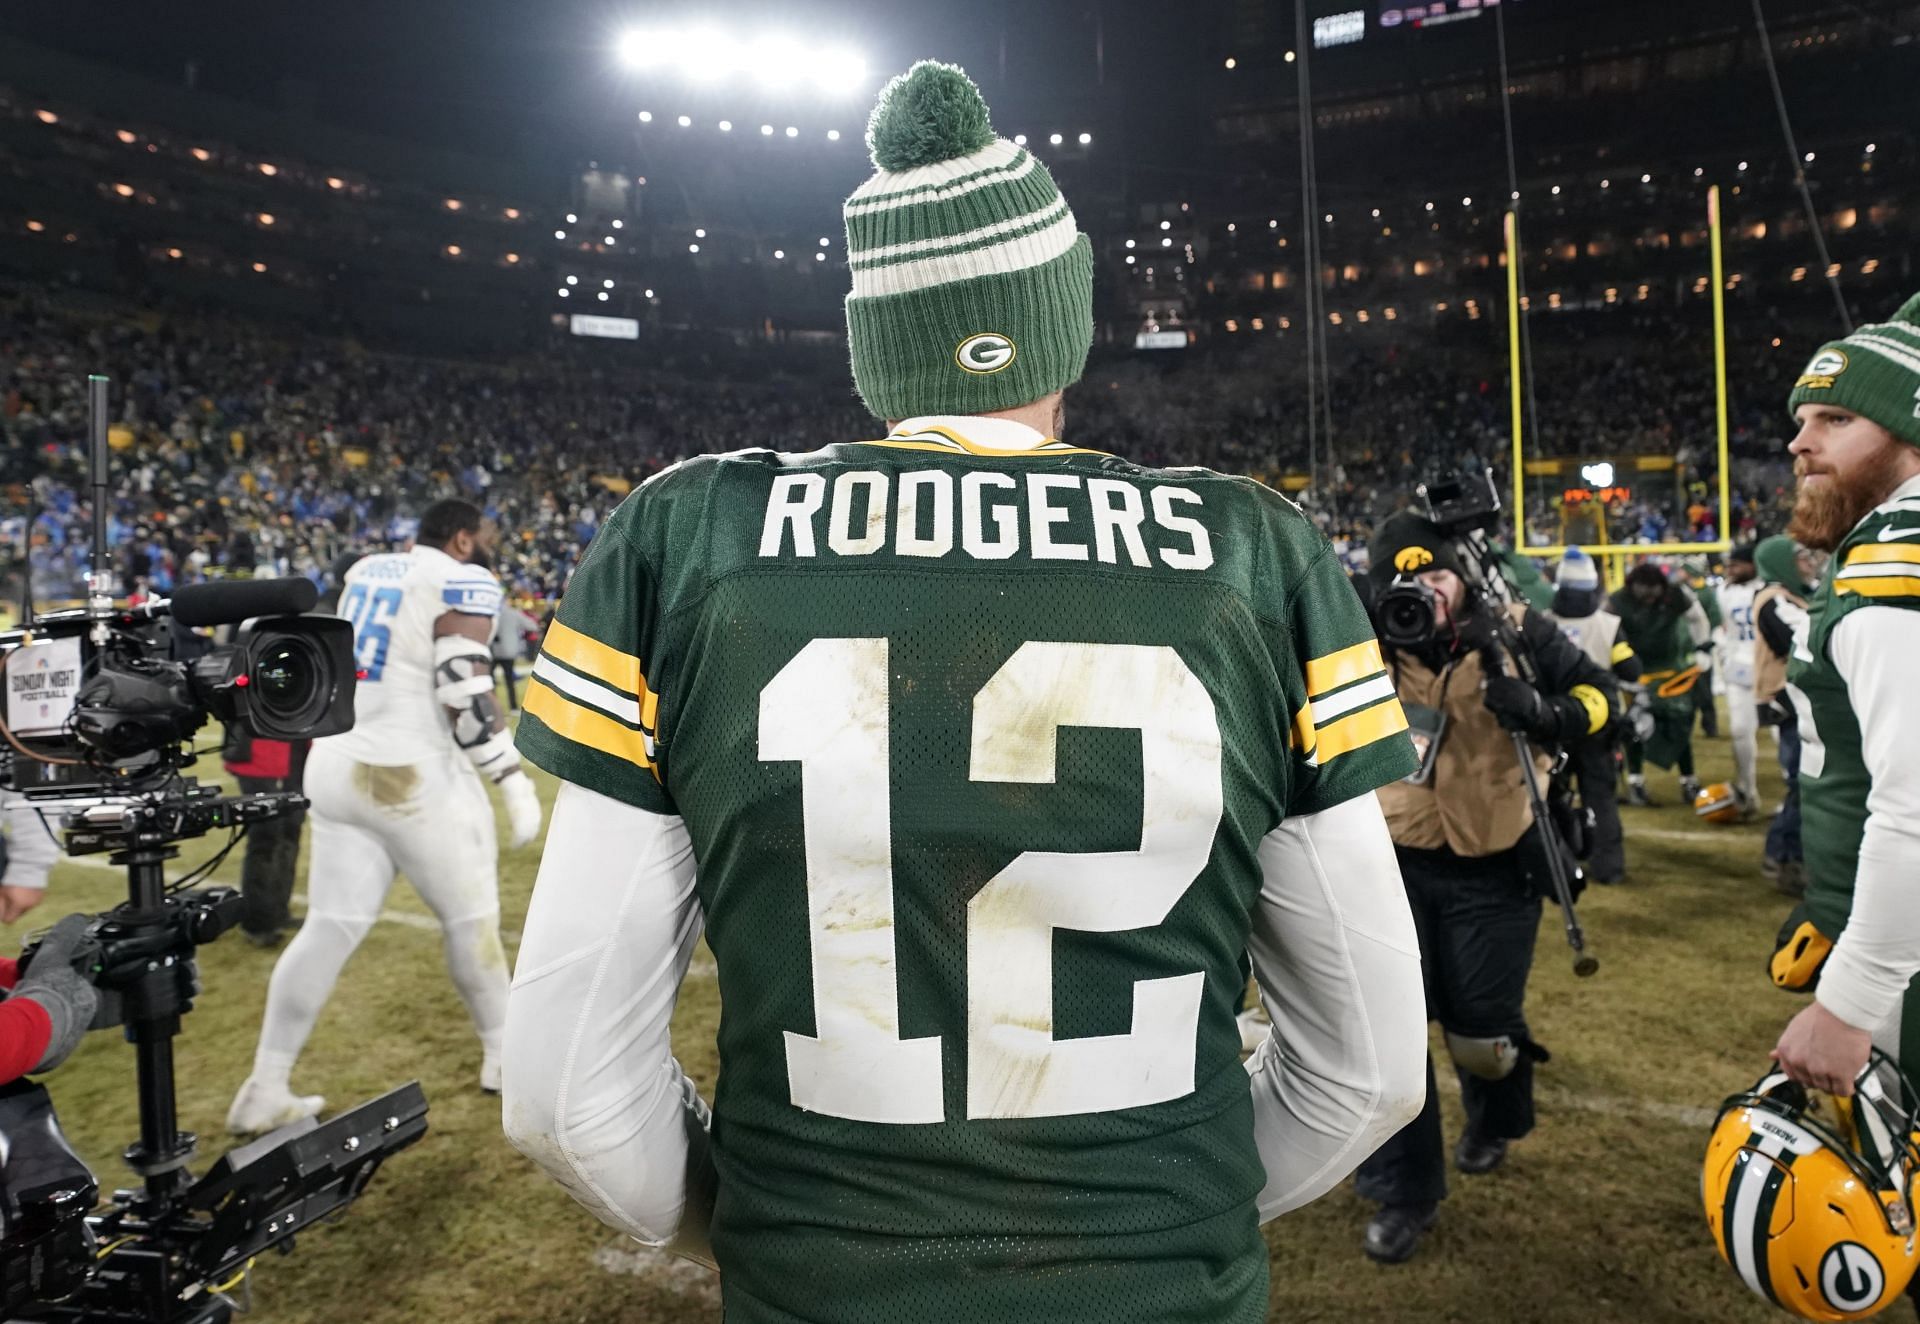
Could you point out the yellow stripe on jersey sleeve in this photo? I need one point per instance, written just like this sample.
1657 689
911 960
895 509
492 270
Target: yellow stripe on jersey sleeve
1362 728
590 657
1356 662
1880 586
1883 553
1621 652
583 726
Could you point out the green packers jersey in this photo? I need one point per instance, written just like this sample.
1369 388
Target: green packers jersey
976 750
1878 565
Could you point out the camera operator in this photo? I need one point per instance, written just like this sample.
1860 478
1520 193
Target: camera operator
27 854
1473 861
46 1010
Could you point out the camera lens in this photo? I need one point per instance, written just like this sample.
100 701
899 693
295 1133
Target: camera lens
1405 613
282 676
285 678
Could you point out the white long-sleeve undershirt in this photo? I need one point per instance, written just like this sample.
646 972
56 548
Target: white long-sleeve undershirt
1338 963
1878 953
593 1094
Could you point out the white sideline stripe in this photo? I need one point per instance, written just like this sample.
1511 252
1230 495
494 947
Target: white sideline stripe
1686 834
1679 1114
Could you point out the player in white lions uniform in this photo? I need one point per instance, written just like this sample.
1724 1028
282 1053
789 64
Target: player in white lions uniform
1735 664
402 790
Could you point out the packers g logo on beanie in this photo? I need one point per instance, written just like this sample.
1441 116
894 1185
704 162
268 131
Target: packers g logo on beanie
1821 370
985 353
1409 559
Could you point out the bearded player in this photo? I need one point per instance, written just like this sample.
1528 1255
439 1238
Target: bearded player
1857 457
405 789
983 756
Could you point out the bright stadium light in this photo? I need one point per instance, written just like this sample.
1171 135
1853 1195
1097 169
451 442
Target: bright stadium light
824 241
819 257
693 248
684 121
766 131
726 126
779 254
833 135
603 296
1019 140
563 292
618 224
774 61
792 132
1054 138
839 70
573 280
1085 139
1129 243
571 218
559 234
699 234
646 117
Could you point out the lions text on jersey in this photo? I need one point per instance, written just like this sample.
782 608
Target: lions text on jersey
393 601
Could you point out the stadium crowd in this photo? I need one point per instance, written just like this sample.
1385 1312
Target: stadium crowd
240 446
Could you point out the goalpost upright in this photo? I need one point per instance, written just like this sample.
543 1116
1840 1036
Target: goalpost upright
1612 549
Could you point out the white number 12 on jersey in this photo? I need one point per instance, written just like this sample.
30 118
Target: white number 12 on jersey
828 710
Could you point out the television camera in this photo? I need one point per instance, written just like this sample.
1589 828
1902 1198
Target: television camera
101 704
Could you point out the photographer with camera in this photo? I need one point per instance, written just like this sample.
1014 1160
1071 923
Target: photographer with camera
47 1009
1474 859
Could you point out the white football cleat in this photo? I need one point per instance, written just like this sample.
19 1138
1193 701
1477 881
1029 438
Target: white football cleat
490 1073
259 1108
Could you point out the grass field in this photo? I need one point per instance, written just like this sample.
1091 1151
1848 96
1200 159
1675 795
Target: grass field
1596 1217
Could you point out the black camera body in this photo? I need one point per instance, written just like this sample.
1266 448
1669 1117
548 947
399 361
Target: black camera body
117 706
1404 610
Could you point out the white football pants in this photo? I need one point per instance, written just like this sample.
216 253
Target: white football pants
431 821
1744 720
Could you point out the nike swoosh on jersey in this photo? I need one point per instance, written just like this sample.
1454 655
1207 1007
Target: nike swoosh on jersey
1889 533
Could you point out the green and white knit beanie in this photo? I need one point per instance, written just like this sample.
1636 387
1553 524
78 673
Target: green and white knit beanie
1875 373
972 287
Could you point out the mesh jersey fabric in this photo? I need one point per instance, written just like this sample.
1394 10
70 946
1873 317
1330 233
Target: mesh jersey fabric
687 613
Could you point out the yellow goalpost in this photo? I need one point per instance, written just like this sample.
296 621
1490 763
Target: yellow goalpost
1609 549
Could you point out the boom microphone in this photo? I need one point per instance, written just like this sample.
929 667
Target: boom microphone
234 601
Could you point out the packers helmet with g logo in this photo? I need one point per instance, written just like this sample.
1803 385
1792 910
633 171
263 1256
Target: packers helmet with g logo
1810 1197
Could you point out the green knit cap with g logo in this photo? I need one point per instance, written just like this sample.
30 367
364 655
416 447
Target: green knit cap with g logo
972 287
1875 373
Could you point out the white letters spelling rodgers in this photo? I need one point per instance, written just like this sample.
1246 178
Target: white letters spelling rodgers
865 510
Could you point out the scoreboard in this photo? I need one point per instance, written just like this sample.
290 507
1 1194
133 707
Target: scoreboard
1432 14
1344 23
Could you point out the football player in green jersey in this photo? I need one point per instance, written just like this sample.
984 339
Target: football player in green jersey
982 757
1857 457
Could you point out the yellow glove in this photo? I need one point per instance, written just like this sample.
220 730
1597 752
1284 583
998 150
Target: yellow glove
1802 951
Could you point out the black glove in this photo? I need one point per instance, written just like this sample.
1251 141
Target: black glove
62 991
1520 707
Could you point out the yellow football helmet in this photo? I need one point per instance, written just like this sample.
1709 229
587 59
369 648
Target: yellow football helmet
1717 803
1810 1197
